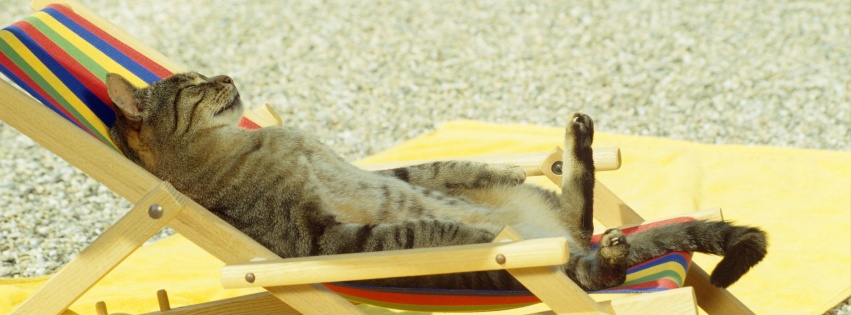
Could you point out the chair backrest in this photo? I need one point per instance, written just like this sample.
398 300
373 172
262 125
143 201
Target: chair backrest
61 59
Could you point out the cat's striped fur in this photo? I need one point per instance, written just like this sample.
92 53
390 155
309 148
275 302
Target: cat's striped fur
292 194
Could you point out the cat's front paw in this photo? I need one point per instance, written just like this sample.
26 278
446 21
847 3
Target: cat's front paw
510 175
580 131
497 175
613 247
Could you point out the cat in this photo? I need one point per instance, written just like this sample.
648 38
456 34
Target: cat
295 196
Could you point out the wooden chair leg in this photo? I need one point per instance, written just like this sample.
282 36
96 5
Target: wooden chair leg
610 210
712 299
668 302
233 247
550 285
253 304
110 249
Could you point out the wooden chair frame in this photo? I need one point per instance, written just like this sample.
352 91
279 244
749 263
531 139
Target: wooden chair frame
158 204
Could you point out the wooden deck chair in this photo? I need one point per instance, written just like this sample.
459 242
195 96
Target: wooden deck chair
60 56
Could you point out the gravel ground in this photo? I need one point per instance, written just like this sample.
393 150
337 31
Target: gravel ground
366 75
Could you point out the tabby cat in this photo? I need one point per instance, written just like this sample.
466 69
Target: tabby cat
292 194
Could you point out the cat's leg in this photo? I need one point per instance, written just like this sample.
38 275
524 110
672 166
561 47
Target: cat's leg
742 246
577 196
340 238
448 176
603 268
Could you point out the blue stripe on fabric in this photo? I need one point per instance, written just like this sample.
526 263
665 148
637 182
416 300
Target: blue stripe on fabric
29 89
675 257
112 52
95 104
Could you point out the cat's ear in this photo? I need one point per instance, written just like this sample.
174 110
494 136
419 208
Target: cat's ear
122 93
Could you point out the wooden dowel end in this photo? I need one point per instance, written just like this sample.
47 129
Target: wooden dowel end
100 308
162 298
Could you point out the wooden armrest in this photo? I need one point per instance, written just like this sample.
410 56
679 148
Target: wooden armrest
397 263
264 116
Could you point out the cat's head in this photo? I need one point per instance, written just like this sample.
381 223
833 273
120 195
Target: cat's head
173 109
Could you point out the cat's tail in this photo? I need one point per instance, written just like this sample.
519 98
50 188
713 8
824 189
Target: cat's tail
742 246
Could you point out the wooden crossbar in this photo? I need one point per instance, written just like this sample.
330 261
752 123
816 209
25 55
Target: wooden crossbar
397 263
110 249
606 158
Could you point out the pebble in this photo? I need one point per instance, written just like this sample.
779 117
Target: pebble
367 75
6 270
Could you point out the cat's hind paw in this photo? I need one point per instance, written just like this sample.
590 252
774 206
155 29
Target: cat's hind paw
613 247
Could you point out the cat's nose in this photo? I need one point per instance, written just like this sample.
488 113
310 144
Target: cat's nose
223 79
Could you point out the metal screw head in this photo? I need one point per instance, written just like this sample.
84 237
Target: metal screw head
500 259
556 168
155 211
249 277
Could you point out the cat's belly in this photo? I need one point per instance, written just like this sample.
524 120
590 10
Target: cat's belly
523 209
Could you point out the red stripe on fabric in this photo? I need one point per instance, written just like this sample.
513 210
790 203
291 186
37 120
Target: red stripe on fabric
664 258
8 64
655 284
648 226
86 77
127 50
245 123
425 299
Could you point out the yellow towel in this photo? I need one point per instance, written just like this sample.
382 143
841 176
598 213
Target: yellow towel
801 197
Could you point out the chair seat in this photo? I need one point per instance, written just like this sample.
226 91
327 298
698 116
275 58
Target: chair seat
658 274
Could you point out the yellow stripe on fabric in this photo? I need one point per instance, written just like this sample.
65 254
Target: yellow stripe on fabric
90 65
671 266
95 54
57 85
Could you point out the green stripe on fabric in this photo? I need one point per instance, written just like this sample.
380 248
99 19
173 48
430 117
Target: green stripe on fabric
78 55
85 60
36 77
670 274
